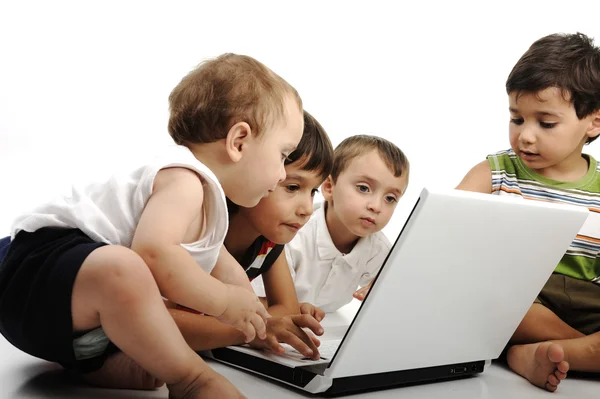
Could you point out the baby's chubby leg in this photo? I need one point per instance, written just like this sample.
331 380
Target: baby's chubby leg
115 289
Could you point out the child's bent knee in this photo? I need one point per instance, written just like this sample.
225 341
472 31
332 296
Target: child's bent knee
115 269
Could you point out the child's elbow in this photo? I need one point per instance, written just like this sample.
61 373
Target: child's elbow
151 255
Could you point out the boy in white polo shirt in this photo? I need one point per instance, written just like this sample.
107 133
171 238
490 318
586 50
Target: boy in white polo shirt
342 247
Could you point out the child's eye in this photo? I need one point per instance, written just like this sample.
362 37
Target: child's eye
516 121
362 188
292 187
313 192
547 125
391 199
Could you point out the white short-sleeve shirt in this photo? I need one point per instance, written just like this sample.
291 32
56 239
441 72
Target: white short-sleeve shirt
324 276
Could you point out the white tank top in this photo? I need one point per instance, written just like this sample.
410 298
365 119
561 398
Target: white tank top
109 211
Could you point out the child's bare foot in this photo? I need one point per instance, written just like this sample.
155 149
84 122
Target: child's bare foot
122 372
542 364
207 385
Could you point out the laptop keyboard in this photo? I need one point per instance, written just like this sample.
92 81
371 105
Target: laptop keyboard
326 350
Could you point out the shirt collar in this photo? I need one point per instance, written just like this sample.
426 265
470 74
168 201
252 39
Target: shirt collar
327 250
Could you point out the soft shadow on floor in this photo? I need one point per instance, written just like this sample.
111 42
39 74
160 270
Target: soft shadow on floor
52 381
580 375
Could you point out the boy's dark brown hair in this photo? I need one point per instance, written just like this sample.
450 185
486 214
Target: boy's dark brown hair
569 62
360 144
223 91
314 149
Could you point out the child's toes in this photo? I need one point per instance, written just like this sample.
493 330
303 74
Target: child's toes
563 367
551 387
561 376
553 380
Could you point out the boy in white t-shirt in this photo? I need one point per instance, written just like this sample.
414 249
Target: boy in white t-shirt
342 247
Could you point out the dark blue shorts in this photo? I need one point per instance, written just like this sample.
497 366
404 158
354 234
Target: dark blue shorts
4 245
36 284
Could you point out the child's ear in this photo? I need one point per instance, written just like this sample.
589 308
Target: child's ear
594 129
327 188
237 140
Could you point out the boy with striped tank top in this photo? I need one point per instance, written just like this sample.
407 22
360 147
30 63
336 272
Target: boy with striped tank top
554 104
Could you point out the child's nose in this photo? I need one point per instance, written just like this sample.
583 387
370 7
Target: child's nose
305 208
375 205
282 174
527 135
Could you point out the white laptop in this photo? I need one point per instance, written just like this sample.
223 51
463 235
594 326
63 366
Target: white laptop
458 280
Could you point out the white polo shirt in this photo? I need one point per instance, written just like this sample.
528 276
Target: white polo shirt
323 275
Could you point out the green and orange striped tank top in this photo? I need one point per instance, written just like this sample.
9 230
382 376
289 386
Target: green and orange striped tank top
510 176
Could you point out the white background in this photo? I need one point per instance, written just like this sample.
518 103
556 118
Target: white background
84 85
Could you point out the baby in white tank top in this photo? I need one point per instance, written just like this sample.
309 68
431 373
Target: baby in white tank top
157 232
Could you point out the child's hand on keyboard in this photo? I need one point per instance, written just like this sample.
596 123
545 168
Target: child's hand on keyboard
310 309
289 330
244 312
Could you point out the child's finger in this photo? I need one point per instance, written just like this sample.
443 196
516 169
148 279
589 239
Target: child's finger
307 321
306 308
261 311
259 326
360 294
318 313
247 329
302 343
314 312
314 339
273 345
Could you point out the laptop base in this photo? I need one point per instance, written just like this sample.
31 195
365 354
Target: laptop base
372 382
300 377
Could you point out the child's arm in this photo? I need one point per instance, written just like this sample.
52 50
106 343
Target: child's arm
279 288
478 179
282 301
286 325
173 208
229 271
203 332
